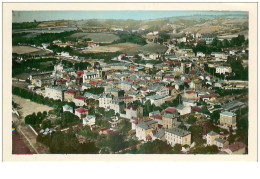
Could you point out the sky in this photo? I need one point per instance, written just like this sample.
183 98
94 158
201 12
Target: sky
29 16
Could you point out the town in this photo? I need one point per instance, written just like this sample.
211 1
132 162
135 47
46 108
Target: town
155 87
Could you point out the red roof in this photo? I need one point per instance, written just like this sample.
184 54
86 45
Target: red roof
186 80
236 146
143 89
82 110
134 107
158 117
80 98
78 78
148 137
196 109
80 73
110 132
190 92
171 110
170 87
71 91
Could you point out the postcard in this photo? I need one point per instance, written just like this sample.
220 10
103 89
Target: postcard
130 81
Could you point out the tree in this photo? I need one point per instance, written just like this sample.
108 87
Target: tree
191 119
177 148
155 147
215 116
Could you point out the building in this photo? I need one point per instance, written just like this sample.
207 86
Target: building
55 92
221 143
81 112
162 91
183 109
223 69
156 100
211 136
133 111
168 120
105 101
79 101
70 95
236 148
89 120
189 102
227 119
177 136
190 95
144 130
67 108
126 86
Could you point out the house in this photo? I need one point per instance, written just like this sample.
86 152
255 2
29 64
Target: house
183 109
168 120
211 136
236 148
177 136
144 130
195 85
70 95
189 102
105 101
133 111
79 101
158 134
200 54
81 112
223 69
134 122
221 143
156 100
55 92
126 85
67 108
162 91
227 119
157 118
89 120
190 95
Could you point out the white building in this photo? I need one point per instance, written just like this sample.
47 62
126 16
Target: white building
79 101
89 120
223 69
133 111
156 100
105 101
126 86
211 136
162 91
177 136
183 109
67 108
144 130
55 92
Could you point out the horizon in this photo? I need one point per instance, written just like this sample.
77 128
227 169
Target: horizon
30 16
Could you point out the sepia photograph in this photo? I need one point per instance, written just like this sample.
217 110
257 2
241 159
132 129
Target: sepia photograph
132 81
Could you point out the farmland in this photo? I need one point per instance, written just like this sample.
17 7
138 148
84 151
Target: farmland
125 47
96 37
24 49
21 50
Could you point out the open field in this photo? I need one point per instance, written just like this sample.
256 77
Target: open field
153 48
29 107
28 50
121 47
24 49
97 37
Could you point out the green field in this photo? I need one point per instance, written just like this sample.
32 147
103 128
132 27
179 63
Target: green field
96 37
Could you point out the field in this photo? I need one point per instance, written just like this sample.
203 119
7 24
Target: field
28 50
121 47
97 37
29 107
24 49
153 48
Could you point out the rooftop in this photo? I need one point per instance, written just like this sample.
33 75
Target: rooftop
178 132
